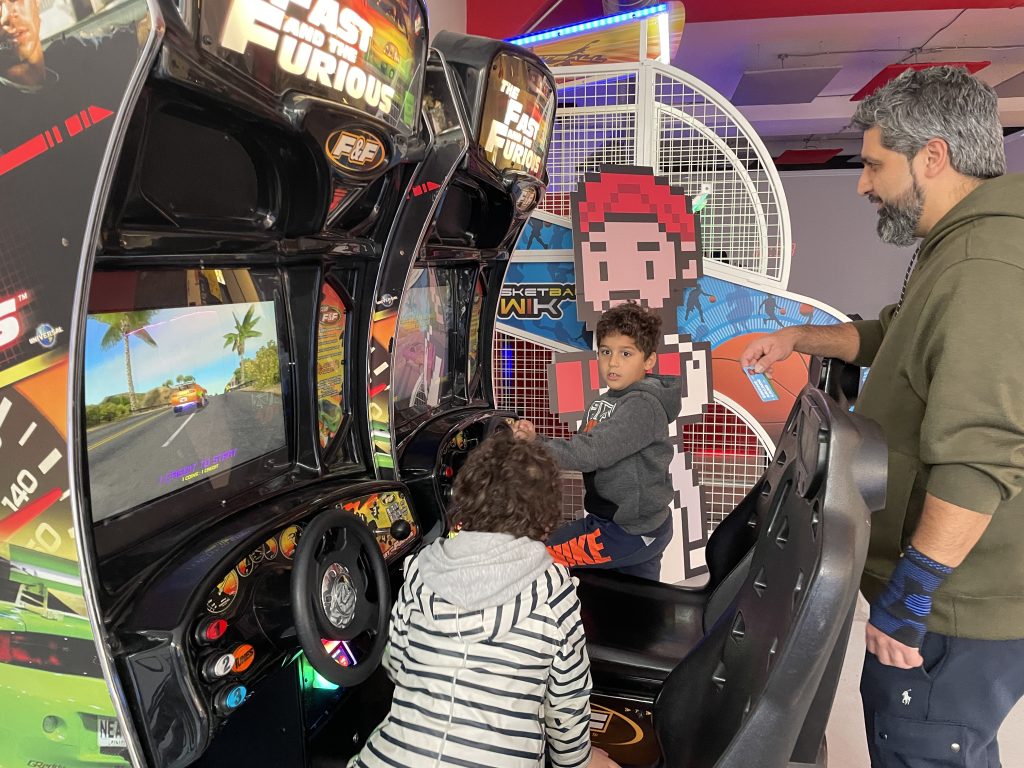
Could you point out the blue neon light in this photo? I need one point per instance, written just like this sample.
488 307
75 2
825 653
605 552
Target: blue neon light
607 21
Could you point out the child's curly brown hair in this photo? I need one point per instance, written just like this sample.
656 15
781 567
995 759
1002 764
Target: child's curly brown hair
642 325
508 486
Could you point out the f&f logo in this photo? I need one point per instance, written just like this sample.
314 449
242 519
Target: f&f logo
355 150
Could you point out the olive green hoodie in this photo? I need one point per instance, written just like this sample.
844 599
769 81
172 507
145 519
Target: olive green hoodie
947 387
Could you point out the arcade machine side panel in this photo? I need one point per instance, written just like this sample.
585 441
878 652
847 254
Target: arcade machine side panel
274 254
514 134
442 410
69 76
421 198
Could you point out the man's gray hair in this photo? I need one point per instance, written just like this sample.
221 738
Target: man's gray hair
939 103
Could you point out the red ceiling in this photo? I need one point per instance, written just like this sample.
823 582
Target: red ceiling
507 19
807 156
895 70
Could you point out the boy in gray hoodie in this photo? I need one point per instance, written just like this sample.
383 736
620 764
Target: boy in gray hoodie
623 450
486 645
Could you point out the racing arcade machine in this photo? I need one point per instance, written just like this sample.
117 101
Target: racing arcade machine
442 386
300 200
266 158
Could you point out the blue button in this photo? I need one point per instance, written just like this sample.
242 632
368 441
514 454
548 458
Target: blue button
235 696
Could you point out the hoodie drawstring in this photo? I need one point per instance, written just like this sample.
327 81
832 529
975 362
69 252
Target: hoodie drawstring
455 685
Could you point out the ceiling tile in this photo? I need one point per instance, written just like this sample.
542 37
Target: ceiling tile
1012 88
797 85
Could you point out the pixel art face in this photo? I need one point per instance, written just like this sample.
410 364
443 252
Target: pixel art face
635 238
612 278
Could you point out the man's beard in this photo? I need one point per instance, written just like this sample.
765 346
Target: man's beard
898 220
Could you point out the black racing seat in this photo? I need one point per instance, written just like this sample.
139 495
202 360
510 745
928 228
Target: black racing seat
742 696
667 621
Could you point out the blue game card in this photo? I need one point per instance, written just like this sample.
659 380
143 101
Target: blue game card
762 385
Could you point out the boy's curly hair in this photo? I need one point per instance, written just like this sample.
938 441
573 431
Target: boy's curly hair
642 325
508 486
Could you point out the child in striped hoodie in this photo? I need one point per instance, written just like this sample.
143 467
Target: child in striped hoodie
487 650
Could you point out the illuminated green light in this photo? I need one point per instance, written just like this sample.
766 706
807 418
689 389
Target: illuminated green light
321 683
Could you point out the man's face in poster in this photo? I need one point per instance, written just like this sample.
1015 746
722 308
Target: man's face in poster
624 260
21 49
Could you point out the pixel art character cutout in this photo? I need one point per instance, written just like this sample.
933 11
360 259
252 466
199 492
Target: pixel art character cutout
637 239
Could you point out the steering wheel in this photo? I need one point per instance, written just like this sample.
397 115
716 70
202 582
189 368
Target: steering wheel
340 589
495 424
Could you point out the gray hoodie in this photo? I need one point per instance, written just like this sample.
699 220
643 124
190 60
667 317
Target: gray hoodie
623 450
489 661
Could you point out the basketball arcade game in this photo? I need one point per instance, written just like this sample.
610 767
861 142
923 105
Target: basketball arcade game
266 219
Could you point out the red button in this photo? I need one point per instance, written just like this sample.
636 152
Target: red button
214 630
448 472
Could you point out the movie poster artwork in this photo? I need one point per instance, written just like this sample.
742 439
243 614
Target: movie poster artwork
330 364
65 67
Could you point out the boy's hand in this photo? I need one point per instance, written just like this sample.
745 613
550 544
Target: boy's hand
599 759
524 430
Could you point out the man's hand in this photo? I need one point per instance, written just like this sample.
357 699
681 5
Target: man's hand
524 430
763 352
891 652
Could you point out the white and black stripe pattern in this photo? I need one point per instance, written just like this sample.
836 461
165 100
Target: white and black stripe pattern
495 687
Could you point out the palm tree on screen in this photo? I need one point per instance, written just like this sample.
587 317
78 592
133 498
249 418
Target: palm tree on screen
121 327
245 329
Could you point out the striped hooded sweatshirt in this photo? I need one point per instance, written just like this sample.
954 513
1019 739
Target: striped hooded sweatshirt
489 661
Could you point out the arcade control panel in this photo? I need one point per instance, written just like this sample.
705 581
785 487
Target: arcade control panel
242 629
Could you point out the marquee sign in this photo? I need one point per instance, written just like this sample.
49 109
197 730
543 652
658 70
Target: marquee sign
517 116
361 53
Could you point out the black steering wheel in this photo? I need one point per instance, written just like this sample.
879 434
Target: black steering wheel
340 590
496 424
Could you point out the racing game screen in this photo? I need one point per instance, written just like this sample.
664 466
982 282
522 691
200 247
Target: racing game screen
176 396
425 325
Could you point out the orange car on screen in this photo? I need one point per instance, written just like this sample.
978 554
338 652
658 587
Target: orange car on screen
188 397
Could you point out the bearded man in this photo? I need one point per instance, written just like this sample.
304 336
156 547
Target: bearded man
945 569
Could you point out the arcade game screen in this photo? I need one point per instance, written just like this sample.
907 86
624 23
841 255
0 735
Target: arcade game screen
175 395
425 325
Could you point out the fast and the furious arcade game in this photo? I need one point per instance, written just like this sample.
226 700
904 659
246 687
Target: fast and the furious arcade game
251 252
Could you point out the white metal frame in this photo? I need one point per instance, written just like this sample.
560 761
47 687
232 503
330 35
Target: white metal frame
638 86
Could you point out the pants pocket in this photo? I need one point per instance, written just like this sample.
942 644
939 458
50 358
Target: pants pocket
904 743
934 650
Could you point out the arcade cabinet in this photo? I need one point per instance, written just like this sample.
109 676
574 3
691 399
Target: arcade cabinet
263 297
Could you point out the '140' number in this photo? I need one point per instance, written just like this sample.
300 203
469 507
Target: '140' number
20 490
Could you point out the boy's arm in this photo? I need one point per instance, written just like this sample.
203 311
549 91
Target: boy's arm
633 426
567 701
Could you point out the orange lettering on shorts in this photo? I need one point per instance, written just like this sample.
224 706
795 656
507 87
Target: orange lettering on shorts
577 549
597 548
583 550
558 554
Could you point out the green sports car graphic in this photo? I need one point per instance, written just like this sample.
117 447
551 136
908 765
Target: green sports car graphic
56 709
